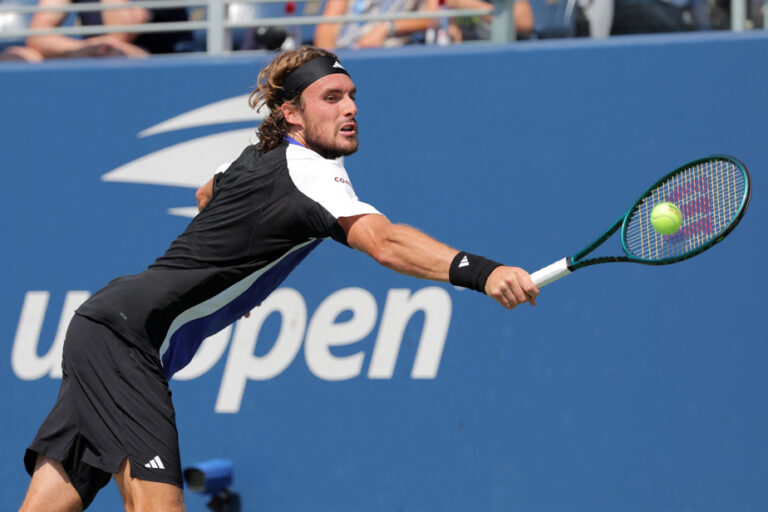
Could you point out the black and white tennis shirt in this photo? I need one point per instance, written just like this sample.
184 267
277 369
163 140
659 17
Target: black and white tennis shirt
268 211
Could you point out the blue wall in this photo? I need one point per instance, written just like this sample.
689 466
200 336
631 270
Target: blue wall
627 388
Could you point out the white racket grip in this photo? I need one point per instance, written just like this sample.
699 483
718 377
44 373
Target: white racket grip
551 273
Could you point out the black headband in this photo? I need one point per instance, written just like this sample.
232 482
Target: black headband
306 74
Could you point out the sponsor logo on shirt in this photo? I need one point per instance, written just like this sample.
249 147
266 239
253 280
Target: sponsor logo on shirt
338 179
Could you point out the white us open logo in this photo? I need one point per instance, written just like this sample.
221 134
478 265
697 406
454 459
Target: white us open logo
192 163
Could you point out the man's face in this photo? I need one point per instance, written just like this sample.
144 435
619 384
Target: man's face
325 122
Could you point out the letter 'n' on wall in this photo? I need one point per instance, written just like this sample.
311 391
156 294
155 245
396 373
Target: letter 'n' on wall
401 305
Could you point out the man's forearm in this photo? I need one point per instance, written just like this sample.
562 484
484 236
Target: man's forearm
401 248
411 252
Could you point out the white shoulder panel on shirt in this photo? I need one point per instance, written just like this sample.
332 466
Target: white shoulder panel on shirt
324 181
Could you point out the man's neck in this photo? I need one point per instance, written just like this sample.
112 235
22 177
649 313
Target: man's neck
291 140
296 137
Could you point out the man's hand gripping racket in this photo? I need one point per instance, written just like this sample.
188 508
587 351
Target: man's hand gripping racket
712 195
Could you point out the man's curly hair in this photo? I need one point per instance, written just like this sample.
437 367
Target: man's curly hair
269 91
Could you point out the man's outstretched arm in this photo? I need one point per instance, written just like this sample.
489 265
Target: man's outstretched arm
409 251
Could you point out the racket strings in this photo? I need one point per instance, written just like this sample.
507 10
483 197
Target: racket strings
709 195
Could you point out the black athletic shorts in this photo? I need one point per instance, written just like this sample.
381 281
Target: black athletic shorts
114 403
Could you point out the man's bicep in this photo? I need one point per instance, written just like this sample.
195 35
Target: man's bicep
364 232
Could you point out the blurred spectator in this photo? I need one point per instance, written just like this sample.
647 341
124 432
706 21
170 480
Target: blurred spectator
107 45
13 49
375 33
653 16
259 37
479 28
11 20
270 38
720 14
756 14
20 53
595 18
600 18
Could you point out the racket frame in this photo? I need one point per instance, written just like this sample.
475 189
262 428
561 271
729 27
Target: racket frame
565 266
715 239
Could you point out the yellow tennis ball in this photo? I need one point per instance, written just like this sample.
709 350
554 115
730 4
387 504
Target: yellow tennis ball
666 218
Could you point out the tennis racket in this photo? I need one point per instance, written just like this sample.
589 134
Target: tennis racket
711 193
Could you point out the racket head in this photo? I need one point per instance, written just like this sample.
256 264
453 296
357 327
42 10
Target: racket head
712 194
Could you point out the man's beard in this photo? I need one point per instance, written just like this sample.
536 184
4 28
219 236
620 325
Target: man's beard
329 151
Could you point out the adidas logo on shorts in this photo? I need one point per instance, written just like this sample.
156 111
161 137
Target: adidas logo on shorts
155 463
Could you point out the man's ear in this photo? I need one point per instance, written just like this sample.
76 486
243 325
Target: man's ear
291 114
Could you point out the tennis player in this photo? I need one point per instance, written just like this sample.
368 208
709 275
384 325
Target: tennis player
258 219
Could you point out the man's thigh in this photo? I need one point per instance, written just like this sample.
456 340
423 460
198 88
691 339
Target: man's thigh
51 489
147 496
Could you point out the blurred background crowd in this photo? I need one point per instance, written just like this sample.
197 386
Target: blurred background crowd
31 30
